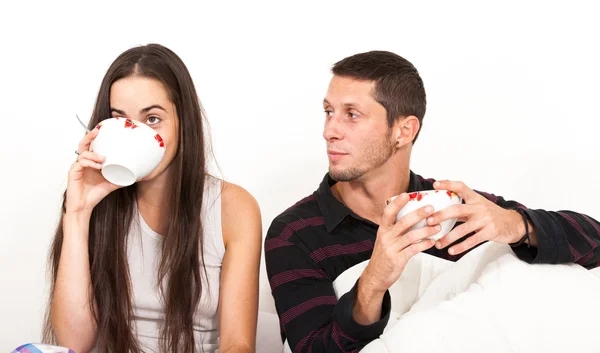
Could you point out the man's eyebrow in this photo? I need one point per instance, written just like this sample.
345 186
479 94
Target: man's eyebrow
351 105
346 105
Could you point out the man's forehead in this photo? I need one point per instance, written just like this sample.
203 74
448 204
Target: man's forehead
346 90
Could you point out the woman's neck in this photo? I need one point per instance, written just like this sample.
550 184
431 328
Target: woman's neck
153 202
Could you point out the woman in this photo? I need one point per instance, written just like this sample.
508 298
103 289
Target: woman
196 236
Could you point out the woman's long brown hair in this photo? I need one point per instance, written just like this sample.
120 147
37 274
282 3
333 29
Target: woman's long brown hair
182 257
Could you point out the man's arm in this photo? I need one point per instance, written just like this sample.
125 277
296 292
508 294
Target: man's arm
560 237
310 315
557 237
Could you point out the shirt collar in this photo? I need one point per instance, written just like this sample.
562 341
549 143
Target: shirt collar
334 212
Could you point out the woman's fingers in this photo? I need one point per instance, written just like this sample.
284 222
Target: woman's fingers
84 144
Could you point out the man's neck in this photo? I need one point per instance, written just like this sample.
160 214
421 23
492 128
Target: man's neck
366 196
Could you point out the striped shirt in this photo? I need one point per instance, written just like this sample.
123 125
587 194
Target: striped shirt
310 244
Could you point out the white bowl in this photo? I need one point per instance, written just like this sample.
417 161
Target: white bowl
132 150
438 199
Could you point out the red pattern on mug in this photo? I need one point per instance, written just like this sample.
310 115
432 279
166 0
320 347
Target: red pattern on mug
130 123
160 140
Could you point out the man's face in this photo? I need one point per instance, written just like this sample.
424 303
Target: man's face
358 137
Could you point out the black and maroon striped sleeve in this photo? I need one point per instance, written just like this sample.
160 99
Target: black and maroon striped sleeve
310 315
562 237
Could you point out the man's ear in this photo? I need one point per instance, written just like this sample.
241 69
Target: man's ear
405 130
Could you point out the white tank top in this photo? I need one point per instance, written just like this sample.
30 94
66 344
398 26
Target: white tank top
144 255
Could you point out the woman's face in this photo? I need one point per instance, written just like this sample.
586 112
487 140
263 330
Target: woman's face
147 100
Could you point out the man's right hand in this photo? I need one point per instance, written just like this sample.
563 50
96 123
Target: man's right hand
394 247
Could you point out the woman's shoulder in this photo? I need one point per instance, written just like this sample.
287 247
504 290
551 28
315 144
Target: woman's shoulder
235 198
240 212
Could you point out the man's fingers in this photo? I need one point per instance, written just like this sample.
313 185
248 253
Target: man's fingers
459 232
455 211
412 218
414 249
469 243
417 235
462 190
391 211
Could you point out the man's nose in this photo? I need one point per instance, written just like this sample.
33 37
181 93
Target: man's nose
332 129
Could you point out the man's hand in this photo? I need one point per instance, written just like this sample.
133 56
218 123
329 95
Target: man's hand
394 246
489 221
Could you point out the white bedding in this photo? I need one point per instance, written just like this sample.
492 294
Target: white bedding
488 301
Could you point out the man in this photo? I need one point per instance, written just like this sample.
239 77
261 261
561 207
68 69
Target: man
374 109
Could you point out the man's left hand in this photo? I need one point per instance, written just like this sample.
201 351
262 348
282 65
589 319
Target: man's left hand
489 221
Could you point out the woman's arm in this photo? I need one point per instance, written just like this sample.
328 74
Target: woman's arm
71 316
238 301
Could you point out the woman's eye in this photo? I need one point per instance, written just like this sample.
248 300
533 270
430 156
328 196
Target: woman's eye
153 120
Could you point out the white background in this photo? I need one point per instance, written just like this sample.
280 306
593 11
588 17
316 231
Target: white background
512 89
